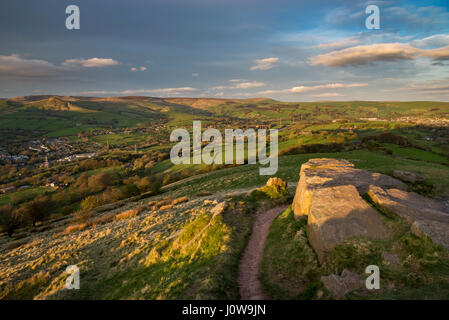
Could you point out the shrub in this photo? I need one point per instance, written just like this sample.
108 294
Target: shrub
130 190
91 202
180 200
126 214
36 210
83 216
9 219
166 207
104 219
101 181
66 210
112 194
203 193
76 227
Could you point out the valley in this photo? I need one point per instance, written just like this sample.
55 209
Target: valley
89 181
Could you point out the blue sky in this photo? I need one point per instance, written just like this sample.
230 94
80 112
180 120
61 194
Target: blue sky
286 50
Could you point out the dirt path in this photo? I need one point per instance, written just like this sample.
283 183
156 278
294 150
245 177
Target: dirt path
248 279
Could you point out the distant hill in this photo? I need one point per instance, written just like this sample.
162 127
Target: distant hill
62 115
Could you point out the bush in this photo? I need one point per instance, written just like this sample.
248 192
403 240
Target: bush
9 219
179 200
130 190
91 202
35 211
203 193
112 194
76 227
101 181
66 210
83 216
313 148
127 214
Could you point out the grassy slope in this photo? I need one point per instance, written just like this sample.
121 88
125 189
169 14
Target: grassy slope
184 252
289 166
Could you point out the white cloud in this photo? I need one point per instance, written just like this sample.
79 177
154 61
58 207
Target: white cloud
91 63
303 89
328 95
240 85
238 80
173 91
339 44
195 74
134 69
362 55
437 40
15 65
248 85
265 64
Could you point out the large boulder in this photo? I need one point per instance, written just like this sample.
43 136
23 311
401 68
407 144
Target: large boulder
428 217
337 213
322 173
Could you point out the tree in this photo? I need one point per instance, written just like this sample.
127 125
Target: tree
101 181
36 210
130 190
9 219
112 194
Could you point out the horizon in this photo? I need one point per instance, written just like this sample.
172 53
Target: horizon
209 98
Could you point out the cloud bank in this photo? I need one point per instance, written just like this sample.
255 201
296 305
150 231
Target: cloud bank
367 54
15 65
304 89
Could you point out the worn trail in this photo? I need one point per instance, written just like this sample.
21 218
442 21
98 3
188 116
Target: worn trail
248 278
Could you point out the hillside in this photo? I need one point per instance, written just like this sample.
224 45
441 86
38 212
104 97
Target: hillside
183 244
89 181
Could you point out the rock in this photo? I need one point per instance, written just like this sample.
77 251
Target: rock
435 230
322 173
219 208
338 286
276 182
336 213
408 176
427 217
274 188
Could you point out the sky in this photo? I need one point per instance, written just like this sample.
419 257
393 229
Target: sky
285 50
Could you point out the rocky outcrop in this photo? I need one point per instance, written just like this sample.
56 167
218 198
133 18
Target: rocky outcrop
322 173
329 194
337 213
428 217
